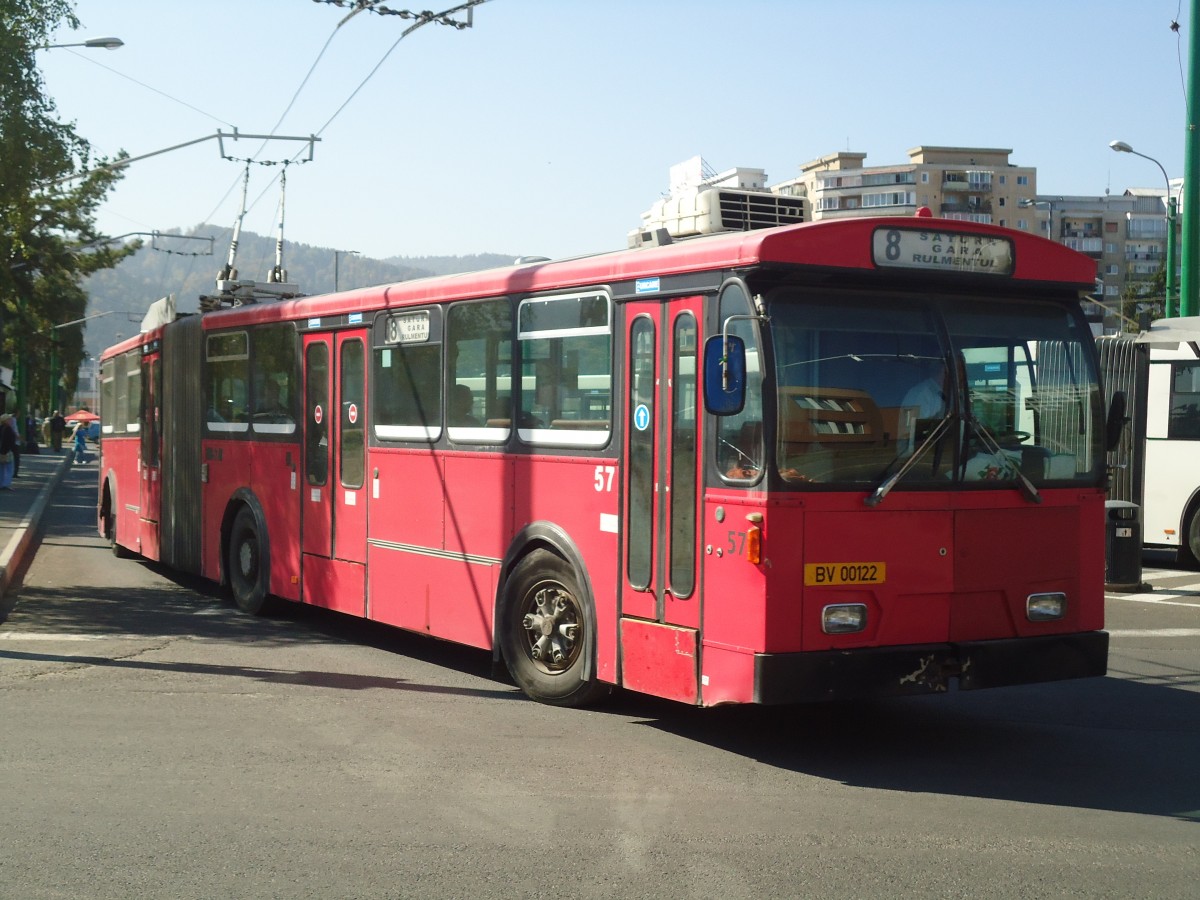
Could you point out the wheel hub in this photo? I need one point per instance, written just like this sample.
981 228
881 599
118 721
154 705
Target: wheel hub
552 627
246 558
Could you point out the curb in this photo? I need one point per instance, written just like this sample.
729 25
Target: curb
27 532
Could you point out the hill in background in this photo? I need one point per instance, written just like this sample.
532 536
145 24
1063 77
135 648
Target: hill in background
170 265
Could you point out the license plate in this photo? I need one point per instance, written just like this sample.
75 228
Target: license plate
820 574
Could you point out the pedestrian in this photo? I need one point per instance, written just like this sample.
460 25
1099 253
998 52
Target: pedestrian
79 437
16 447
31 434
58 425
8 441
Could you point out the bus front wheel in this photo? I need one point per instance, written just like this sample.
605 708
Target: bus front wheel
544 632
249 570
1193 539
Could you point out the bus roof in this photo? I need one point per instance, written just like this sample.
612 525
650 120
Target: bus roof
840 243
1170 333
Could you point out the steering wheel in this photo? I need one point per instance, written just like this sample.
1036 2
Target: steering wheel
1012 437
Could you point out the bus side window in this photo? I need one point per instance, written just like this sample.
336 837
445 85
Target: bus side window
740 438
227 388
407 383
479 347
1184 418
274 368
316 447
566 370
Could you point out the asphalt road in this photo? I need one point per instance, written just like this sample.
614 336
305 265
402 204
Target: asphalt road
154 742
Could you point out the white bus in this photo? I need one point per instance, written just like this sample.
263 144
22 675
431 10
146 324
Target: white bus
1170 461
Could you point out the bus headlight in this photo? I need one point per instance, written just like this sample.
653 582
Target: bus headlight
1045 607
844 618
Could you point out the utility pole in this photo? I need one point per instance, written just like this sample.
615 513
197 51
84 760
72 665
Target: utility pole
1190 252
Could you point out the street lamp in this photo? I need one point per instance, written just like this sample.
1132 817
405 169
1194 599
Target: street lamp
1169 281
105 43
54 378
336 254
1049 204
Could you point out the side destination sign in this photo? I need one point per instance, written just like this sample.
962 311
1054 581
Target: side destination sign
946 251
408 328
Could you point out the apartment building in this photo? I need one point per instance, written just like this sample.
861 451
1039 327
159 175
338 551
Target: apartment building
973 183
1125 233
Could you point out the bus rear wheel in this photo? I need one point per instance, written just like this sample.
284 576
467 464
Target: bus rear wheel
249 570
110 531
544 632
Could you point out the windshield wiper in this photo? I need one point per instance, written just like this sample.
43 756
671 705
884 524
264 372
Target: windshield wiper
890 482
993 446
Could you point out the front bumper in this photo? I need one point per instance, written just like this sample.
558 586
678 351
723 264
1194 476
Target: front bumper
927 668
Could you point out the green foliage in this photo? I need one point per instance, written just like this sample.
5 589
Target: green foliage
1143 298
47 207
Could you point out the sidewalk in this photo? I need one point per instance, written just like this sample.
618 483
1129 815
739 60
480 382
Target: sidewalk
21 509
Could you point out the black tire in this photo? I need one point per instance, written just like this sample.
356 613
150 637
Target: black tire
249 568
1189 553
544 632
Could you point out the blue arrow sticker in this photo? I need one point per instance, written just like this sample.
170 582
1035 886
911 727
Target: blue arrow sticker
641 417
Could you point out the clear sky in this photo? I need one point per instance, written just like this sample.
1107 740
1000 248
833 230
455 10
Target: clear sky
549 126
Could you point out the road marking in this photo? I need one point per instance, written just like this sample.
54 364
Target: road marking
52 636
1156 632
1163 600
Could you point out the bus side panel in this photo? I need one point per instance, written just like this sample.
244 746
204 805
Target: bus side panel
404 527
659 659
433 568
734 615
567 492
444 597
479 504
1169 466
269 471
148 529
120 461
335 584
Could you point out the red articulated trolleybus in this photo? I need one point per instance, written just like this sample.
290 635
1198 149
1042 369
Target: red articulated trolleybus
851 458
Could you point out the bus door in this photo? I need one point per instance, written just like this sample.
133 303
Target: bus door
334 516
150 468
660 605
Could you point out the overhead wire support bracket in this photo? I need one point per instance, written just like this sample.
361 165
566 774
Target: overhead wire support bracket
423 17
157 236
220 137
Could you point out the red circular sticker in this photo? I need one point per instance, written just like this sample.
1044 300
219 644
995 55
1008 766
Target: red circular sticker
318 414
352 413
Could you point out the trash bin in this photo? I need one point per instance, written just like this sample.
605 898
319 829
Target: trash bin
1122 545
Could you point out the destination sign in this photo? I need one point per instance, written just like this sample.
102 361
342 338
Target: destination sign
944 251
409 328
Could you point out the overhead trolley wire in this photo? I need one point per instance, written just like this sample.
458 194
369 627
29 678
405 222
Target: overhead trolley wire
424 18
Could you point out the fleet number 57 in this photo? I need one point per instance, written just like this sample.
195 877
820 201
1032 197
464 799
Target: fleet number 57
604 477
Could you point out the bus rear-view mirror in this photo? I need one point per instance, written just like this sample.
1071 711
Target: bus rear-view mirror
1116 420
724 375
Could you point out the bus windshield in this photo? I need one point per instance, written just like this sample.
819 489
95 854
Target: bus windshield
952 390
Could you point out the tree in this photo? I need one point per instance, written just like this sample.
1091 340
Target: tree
1144 297
49 193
